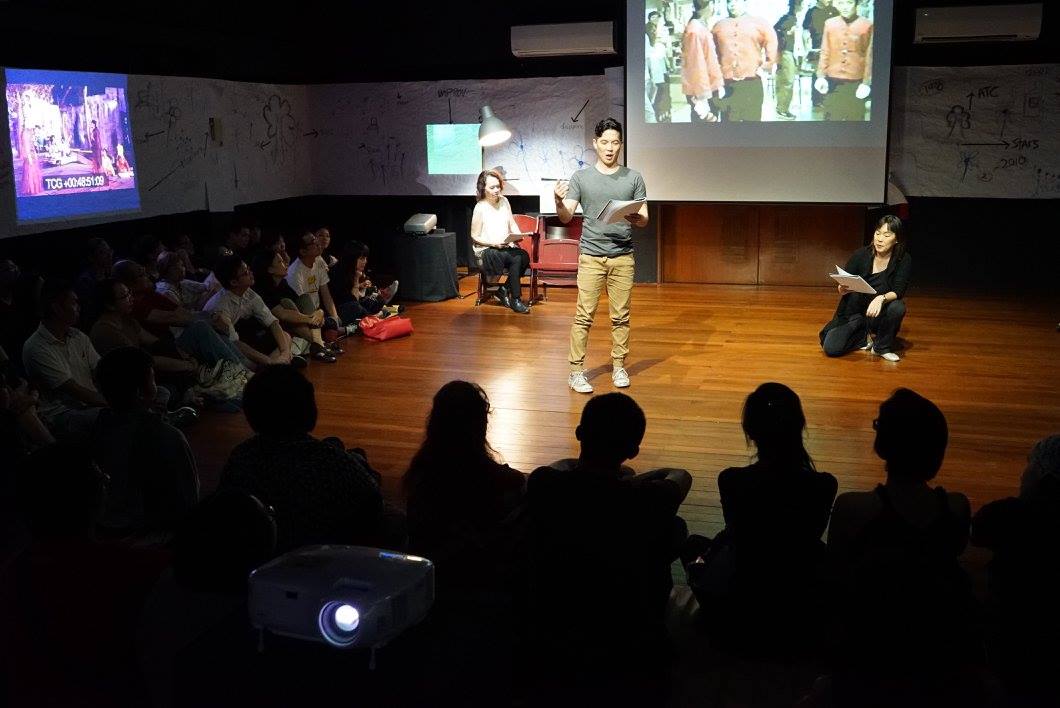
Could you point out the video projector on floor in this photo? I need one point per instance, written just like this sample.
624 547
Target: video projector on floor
421 223
346 596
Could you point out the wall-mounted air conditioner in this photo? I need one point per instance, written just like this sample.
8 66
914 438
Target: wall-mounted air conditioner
984 23
576 38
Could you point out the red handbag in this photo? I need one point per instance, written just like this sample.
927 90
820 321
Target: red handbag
382 330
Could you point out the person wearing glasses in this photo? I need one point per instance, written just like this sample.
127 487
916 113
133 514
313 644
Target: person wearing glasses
871 322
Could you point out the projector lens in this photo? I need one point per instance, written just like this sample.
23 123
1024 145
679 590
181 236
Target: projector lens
338 622
347 618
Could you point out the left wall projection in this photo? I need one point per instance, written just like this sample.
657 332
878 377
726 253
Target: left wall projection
71 145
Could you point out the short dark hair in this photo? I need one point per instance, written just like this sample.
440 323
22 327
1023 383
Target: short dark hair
911 436
280 401
121 373
226 268
51 292
612 424
127 271
607 124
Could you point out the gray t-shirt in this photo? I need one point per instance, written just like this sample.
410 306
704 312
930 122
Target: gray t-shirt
592 189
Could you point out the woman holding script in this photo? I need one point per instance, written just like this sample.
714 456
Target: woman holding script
871 322
495 237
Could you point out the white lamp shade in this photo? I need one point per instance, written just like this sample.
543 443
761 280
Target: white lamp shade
493 131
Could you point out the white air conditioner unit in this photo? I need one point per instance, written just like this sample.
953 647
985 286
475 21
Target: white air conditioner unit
984 23
577 38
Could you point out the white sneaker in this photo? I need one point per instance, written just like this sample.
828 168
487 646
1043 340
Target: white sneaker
389 292
620 378
579 383
867 346
889 356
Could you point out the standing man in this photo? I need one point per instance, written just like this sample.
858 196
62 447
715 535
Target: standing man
844 72
605 252
747 50
788 44
812 33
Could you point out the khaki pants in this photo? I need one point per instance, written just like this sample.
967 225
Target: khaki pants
594 273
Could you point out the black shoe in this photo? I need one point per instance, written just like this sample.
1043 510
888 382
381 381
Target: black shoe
520 307
504 297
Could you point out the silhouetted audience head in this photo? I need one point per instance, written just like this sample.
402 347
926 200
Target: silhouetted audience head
456 431
133 275
279 401
114 296
1042 474
226 535
98 254
171 267
60 491
146 250
773 420
9 275
611 428
911 437
126 378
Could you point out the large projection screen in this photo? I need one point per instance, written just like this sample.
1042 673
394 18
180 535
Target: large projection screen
723 102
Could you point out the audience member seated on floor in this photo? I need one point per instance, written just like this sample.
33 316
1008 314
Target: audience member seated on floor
196 334
153 478
237 239
21 429
602 541
195 635
1024 579
463 514
59 360
760 582
116 327
323 234
273 242
905 602
321 492
308 278
146 251
98 261
254 330
269 269
345 276
174 284
79 599
462 502
182 244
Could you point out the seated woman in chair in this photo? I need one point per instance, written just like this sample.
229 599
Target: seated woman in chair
492 228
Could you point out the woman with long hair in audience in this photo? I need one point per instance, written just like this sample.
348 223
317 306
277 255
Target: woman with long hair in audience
459 495
762 573
463 514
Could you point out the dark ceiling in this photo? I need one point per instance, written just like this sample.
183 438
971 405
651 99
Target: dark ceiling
308 41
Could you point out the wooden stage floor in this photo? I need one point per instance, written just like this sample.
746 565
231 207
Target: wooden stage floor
991 363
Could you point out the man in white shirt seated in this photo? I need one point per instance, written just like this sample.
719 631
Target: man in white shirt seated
59 360
254 330
308 277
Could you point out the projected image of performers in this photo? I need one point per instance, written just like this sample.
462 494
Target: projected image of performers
69 139
758 60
